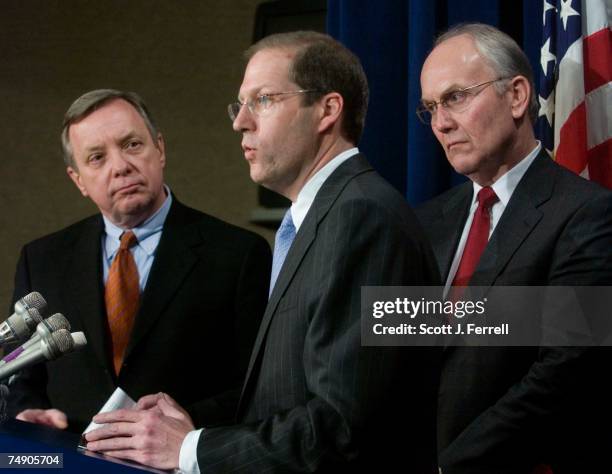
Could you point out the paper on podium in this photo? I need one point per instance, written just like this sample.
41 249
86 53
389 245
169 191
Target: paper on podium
119 399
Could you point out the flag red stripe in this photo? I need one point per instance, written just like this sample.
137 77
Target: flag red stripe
572 149
597 51
600 163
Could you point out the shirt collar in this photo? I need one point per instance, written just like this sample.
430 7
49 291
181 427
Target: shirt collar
507 183
148 228
306 196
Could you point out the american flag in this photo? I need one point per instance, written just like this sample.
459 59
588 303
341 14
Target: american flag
575 118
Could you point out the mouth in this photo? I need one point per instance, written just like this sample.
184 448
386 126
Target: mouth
451 145
249 153
127 188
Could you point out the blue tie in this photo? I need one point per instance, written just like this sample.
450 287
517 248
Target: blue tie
284 237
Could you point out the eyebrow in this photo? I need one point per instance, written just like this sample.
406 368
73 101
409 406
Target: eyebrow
122 139
128 135
254 92
452 88
93 148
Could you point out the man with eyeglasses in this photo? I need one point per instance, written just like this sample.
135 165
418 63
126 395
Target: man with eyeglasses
521 219
314 399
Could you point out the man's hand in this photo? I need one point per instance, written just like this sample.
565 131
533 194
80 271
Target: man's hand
151 434
50 417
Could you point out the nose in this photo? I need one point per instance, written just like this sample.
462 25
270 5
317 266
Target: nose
442 120
244 120
120 163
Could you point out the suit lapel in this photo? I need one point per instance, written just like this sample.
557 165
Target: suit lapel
447 231
83 289
299 247
174 259
518 220
303 240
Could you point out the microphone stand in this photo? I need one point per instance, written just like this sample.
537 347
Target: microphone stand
4 393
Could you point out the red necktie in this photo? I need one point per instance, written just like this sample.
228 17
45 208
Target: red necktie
477 238
542 469
122 297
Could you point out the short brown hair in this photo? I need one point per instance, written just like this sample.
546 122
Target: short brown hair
324 64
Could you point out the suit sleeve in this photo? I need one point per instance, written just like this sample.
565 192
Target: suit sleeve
537 411
251 297
354 392
28 389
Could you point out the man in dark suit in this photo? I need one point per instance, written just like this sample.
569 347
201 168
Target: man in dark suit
314 399
501 409
200 286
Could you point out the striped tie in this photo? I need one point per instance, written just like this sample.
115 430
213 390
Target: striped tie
122 298
284 238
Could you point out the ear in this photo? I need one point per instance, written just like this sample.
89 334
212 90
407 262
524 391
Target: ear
76 179
161 146
520 93
331 108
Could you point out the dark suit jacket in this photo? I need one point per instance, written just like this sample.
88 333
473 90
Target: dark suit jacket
507 409
314 399
192 337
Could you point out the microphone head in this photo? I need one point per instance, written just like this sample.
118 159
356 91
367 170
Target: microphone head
63 339
32 317
57 321
31 300
79 340
22 324
27 315
57 343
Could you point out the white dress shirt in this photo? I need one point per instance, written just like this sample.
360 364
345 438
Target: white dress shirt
307 194
503 187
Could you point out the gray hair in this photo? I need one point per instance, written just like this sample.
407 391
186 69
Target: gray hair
323 64
501 52
94 100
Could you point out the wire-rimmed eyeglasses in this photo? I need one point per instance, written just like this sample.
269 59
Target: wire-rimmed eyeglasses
261 103
453 101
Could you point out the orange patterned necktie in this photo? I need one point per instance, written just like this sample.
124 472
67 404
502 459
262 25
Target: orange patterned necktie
122 298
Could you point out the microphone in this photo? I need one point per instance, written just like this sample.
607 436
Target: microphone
49 348
22 322
44 329
79 340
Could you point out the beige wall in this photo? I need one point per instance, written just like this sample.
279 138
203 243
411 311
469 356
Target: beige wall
183 57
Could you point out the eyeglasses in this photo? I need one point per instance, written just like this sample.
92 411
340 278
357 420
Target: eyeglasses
261 103
453 101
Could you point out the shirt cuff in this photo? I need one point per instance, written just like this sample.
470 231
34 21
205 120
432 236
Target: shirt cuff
188 455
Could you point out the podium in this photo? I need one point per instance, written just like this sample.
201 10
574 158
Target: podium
30 442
